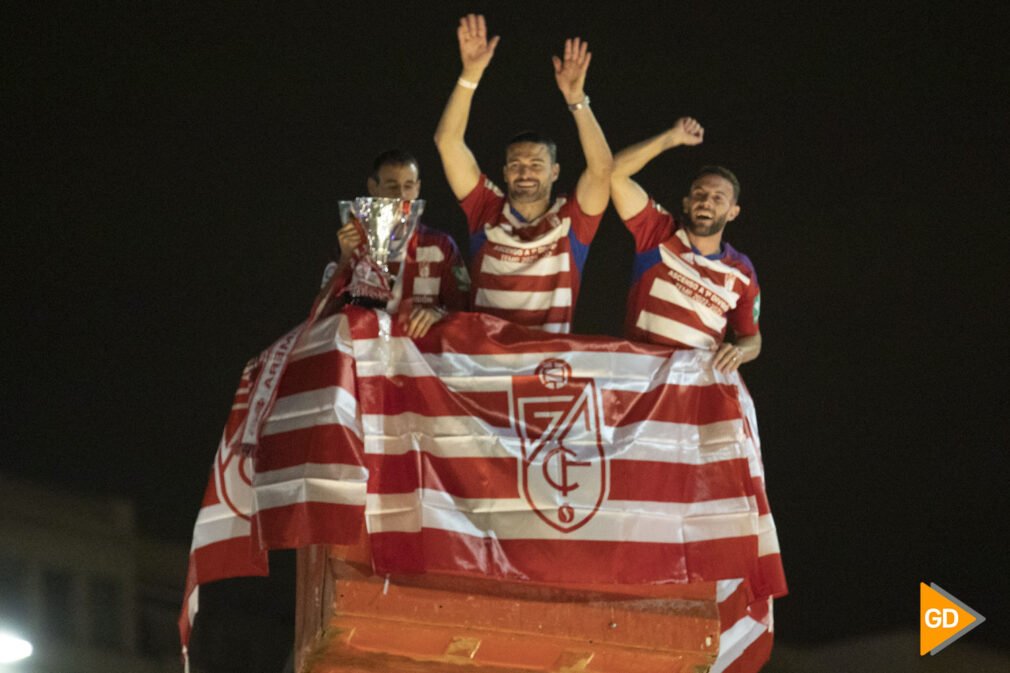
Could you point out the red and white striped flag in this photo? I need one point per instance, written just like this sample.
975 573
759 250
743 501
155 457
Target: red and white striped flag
308 370
223 545
226 542
490 449
512 454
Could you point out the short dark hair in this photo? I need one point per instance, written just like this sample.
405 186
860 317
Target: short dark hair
393 157
722 172
537 139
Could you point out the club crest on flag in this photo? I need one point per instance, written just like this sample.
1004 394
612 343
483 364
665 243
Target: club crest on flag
554 373
234 482
564 467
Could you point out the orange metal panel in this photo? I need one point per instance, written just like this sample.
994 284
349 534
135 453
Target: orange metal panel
350 621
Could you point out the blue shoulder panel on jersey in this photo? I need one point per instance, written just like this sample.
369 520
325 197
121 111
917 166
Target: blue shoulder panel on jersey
736 258
580 250
643 262
477 241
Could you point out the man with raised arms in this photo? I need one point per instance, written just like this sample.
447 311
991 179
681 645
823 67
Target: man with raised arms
432 276
527 251
688 285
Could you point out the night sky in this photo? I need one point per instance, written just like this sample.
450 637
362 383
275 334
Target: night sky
171 184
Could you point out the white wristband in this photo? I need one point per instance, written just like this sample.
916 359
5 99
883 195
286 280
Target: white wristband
466 84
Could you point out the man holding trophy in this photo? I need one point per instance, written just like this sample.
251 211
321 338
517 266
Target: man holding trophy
527 252
404 266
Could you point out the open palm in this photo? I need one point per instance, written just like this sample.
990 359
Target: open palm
570 72
475 50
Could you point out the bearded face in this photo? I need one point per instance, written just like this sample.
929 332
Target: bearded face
706 225
529 172
710 205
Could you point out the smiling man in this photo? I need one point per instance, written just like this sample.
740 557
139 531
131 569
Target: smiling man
689 287
527 251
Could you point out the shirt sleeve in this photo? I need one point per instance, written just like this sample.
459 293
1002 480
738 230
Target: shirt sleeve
743 319
651 226
583 226
483 203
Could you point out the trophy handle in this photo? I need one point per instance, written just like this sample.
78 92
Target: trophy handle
345 211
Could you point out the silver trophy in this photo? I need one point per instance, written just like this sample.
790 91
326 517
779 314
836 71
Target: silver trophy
388 225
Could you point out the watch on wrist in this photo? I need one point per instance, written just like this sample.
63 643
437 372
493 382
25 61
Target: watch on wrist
581 104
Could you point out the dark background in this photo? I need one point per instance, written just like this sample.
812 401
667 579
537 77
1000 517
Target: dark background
172 174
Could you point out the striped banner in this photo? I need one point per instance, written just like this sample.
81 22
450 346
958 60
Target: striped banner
489 449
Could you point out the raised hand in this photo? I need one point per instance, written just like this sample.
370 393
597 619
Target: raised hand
570 72
475 50
687 131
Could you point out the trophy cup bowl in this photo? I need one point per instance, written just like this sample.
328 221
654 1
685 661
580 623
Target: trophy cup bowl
387 223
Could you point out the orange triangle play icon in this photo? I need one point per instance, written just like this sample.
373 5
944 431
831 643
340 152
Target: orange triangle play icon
942 619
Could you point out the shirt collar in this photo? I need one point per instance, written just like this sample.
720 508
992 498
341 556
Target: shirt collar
516 214
713 256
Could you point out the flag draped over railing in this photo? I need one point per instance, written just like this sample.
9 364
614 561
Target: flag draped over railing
490 449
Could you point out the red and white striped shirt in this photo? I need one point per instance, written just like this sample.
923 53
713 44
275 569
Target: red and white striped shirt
527 272
682 298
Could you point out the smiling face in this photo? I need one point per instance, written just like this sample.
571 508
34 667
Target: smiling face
710 205
397 181
529 172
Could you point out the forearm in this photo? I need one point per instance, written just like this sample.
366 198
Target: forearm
461 169
750 347
451 127
730 355
632 159
599 159
593 189
628 196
